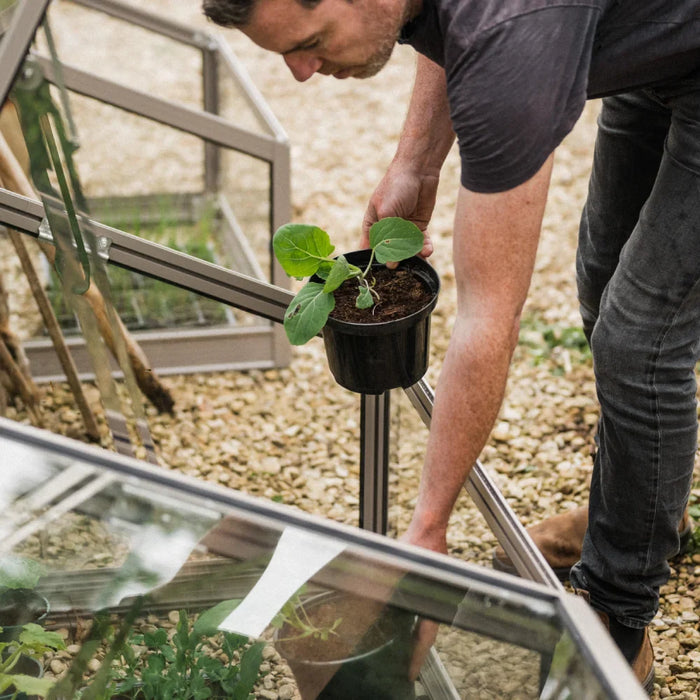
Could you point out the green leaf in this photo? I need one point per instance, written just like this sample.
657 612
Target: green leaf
307 313
324 269
155 663
208 622
364 298
19 572
250 669
38 638
394 239
300 248
154 639
27 684
339 272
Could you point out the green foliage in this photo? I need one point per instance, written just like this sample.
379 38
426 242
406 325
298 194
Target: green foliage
548 341
694 544
305 250
144 303
294 615
19 572
33 642
155 666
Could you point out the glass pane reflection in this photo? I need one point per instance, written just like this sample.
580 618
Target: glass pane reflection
142 570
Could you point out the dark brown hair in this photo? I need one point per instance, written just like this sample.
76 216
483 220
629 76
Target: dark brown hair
236 13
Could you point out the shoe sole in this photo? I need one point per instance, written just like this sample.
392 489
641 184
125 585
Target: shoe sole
564 572
648 683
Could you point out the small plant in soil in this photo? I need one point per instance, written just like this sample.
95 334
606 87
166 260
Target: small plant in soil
293 616
33 642
185 665
305 251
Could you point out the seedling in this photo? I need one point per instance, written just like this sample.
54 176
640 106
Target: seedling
163 663
33 642
304 251
294 615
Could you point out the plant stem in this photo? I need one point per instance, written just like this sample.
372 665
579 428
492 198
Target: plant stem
369 265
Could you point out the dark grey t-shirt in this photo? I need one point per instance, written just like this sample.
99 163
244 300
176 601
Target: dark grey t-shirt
519 71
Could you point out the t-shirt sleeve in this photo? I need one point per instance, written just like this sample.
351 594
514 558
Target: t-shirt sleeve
516 90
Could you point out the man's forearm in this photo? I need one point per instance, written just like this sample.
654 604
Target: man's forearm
427 133
495 243
467 400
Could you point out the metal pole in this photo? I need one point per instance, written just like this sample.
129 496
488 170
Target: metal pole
374 461
15 44
160 262
210 102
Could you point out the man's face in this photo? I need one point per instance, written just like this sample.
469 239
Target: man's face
339 38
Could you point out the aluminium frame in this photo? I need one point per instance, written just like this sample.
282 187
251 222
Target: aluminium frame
261 345
610 669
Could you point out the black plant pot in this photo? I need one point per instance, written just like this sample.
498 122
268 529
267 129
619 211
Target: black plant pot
27 667
376 670
17 607
371 358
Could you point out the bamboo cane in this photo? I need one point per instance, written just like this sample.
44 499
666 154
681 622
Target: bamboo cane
16 378
20 384
16 180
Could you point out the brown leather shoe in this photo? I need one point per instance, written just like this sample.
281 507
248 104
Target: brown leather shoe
643 662
560 539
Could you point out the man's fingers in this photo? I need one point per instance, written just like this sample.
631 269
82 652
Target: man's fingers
423 639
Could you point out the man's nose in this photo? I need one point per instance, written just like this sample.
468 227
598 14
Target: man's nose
302 66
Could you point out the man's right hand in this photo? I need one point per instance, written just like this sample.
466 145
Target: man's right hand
410 185
406 193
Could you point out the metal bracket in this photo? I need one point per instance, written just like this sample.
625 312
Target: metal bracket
104 245
45 235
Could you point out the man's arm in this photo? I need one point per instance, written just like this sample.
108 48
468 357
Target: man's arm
410 185
495 242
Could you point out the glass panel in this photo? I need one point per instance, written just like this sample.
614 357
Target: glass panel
117 50
149 179
7 8
153 584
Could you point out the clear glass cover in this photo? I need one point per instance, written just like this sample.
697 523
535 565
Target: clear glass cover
137 572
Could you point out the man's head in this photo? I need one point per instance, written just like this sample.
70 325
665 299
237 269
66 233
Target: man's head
343 38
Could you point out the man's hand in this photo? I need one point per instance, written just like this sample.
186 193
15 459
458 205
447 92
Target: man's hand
426 630
410 185
406 193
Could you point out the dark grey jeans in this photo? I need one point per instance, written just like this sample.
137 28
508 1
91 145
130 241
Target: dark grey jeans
638 272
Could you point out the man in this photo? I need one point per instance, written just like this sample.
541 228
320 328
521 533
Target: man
510 79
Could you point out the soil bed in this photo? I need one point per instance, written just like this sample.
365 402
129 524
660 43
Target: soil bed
400 292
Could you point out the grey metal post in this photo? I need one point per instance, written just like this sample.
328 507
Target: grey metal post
15 44
210 102
374 461
280 214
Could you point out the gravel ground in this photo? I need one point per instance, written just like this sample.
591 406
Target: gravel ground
292 435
